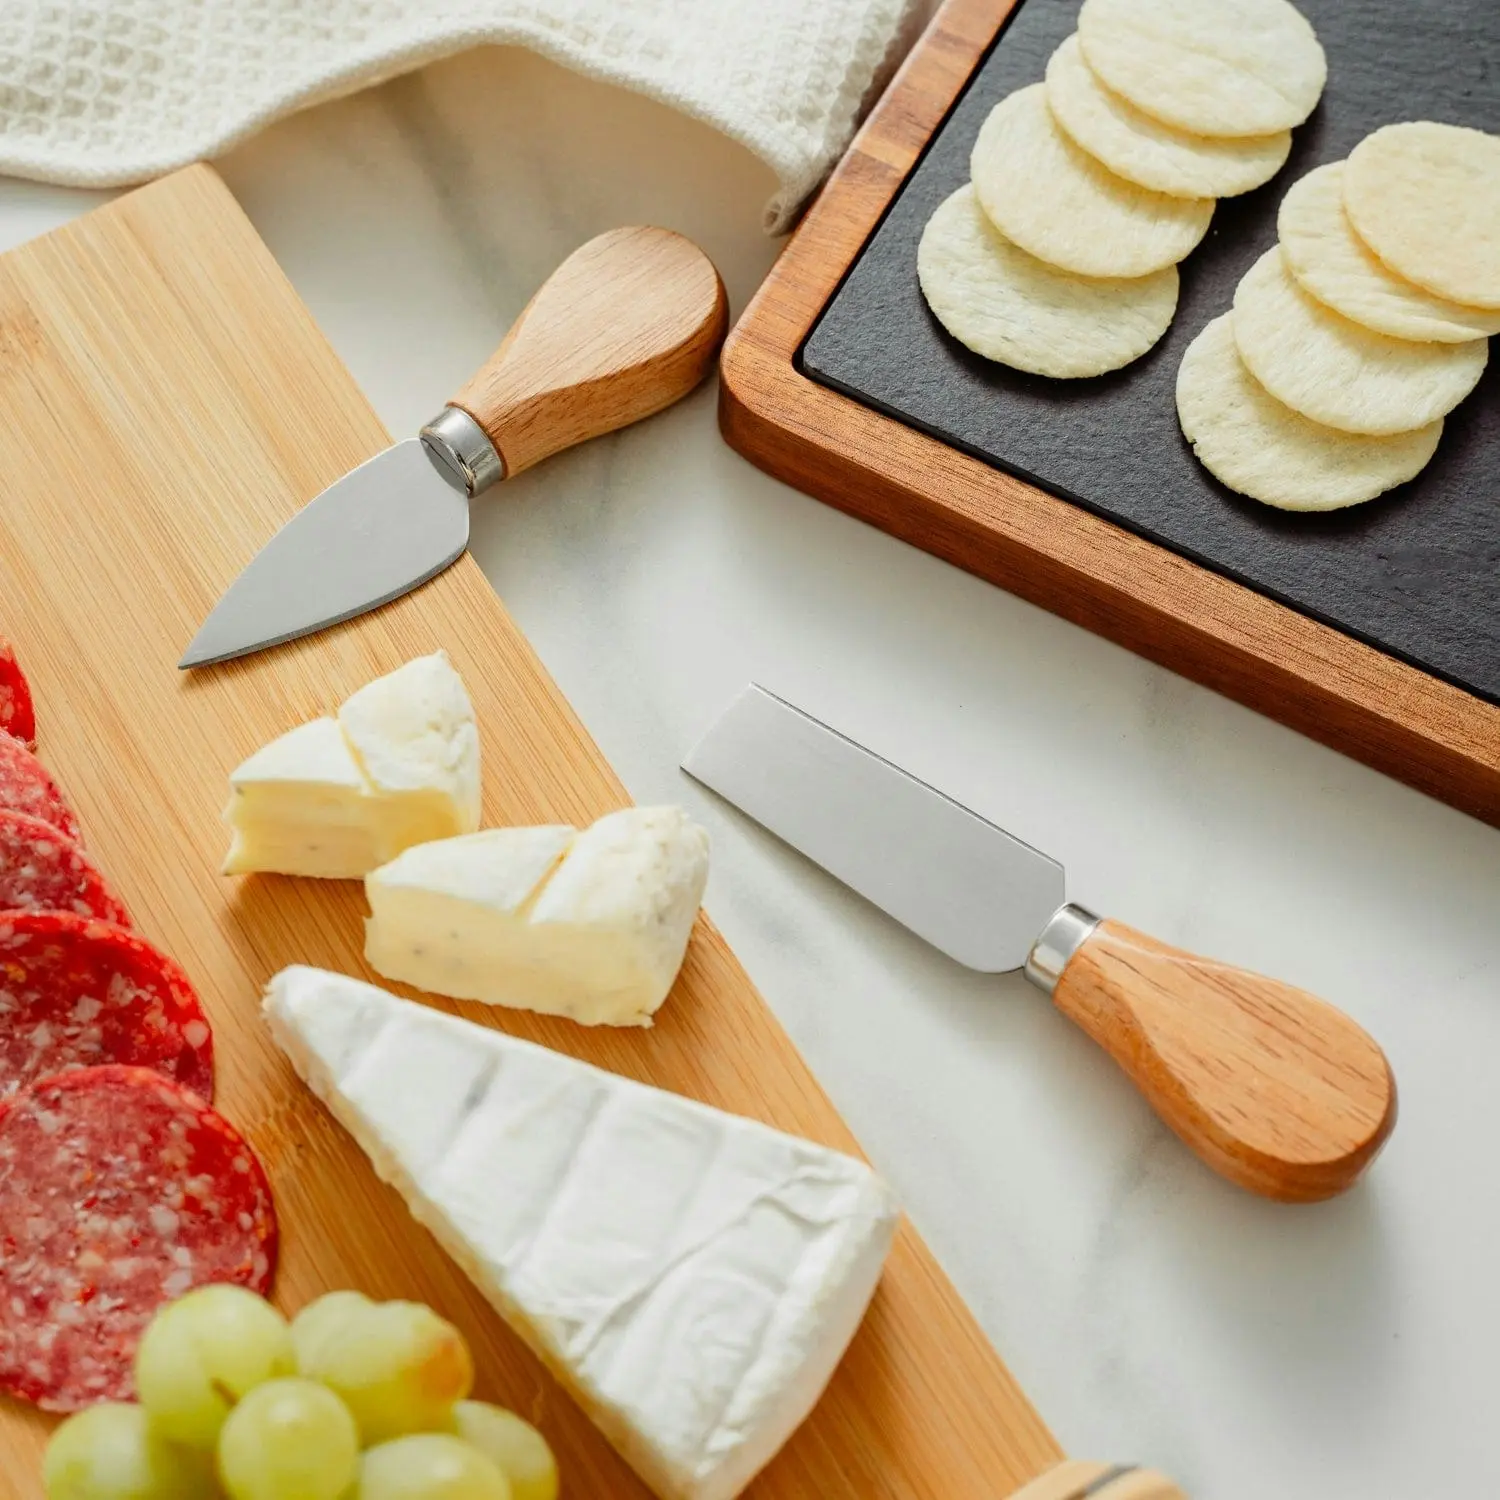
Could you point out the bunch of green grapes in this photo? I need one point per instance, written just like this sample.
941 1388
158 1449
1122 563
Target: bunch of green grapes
352 1400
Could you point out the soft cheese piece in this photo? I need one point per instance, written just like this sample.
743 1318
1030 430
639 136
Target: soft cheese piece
339 796
590 925
301 806
693 1277
414 735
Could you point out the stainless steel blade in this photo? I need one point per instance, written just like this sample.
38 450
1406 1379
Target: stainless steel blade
957 880
385 527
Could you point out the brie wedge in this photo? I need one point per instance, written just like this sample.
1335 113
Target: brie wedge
591 925
691 1276
339 796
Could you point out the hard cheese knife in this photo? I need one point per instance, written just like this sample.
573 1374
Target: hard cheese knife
627 325
1273 1088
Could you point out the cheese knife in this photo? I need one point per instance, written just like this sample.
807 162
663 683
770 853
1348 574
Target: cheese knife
627 325
1273 1088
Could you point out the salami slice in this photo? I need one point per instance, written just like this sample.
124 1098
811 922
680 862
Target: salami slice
119 1191
26 786
40 870
16 716
76 993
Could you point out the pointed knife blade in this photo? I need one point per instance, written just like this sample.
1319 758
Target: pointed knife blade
954 878
377 533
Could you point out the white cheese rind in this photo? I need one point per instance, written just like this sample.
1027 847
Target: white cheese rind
312 754
692 1276
335 798
497 870
592 926
413 733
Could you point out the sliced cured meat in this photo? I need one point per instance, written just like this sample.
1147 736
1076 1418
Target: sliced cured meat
16 716
76 993
119 1191
26 786
41 870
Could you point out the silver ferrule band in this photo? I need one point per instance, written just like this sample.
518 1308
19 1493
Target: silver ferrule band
1068 930
462 451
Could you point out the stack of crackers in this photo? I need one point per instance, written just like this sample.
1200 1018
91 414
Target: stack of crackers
1060 256
1351 339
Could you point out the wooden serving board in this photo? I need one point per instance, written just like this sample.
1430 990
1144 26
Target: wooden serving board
1374 630
168 403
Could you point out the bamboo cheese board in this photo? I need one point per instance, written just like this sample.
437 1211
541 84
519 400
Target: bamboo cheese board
168 404
1375 630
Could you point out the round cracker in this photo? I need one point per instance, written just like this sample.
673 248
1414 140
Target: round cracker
1249 441
1056 202
1426 199
1215 67
1002 303
1329 260
1143 150
1337 373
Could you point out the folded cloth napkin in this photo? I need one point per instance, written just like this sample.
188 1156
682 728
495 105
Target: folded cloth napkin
103 92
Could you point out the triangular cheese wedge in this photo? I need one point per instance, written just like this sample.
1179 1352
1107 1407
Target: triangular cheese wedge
589 925
693 1277
339 796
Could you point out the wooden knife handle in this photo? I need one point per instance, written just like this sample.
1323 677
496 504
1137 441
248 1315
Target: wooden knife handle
1076 1479
1272 1087
628 324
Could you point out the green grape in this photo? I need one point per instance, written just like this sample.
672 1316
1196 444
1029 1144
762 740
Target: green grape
202 1353
289 1439
321 1323
429 1466
112 1452
519 1451
398 1366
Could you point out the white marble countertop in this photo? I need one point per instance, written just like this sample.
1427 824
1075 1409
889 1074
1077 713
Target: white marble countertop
1152 1312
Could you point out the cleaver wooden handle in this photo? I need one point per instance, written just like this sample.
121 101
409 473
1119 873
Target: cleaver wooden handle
628 324
1272 1087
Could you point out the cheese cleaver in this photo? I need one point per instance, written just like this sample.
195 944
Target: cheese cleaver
627 325
1272 1087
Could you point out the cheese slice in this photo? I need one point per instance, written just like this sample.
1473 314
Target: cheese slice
337 797
591 925
693 1277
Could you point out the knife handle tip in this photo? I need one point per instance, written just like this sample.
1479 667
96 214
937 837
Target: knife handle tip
628 324
1275 1089
1077 1479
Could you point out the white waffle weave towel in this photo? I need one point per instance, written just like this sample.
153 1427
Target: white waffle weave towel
105 92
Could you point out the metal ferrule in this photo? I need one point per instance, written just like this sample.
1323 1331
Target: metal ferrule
462 451
1068 930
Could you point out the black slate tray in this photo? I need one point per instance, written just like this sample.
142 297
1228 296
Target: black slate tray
1415 573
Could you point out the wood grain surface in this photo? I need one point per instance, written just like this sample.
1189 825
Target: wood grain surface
1392 716
628 324
1271 1086
168 403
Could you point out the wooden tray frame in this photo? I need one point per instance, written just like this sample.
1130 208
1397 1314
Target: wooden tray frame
1401 720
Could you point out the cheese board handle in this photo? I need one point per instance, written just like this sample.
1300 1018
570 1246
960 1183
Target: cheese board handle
1077 1479
626 325
1275 1089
